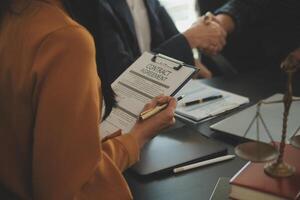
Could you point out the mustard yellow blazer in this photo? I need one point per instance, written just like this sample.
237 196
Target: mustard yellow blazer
49 111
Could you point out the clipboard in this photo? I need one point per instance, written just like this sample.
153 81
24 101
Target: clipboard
179 65
149 76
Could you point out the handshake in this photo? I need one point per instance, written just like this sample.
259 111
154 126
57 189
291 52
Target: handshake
209 33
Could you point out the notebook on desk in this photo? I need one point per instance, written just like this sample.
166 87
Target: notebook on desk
174 148
195 91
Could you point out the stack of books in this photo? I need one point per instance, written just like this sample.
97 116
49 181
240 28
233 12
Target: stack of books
251 182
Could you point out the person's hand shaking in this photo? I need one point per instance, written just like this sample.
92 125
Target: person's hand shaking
207 35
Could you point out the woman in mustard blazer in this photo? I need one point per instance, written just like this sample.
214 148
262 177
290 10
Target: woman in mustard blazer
50 111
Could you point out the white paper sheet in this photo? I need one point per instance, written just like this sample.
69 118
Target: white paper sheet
141 82
195 89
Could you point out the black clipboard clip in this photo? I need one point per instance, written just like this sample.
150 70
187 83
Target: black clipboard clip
179 63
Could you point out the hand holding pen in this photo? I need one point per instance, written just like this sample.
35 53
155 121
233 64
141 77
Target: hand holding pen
146 129
152 111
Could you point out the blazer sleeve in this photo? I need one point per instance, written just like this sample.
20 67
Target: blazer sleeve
68 160
115 54
175 44
244 12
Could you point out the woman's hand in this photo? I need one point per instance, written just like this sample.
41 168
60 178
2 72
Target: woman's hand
147 129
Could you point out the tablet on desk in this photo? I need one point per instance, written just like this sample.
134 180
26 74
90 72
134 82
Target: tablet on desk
175 148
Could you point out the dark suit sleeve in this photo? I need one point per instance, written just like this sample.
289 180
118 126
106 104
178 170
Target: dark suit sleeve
175 45
244 12
115 55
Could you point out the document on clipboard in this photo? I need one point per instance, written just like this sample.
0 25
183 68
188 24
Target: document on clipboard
221 101
149 76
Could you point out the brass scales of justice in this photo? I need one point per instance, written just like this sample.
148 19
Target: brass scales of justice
257 151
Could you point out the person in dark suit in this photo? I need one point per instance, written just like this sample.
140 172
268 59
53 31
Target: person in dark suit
274 23
131 27
203 6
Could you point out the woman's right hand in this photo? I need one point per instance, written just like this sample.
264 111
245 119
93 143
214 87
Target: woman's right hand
147 129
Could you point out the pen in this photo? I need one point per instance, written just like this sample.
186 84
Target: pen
206 99
203 163
180 97
149 113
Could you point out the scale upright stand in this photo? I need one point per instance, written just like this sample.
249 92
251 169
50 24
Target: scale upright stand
258 151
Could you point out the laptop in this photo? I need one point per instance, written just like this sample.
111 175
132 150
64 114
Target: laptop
175 148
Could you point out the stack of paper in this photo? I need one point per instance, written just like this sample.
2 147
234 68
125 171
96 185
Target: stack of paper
194 90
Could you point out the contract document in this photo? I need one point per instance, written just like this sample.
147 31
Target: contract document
149 76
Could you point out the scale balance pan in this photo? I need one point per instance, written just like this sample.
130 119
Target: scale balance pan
295 141
257 151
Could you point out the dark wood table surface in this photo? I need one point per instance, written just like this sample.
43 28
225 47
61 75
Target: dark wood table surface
199 183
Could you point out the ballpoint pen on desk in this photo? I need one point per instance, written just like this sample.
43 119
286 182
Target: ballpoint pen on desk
149 113
180 97
206 99
203 163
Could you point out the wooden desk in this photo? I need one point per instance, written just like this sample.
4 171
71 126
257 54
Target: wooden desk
198 184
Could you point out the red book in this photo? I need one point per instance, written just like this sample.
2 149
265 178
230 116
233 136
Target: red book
251 182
